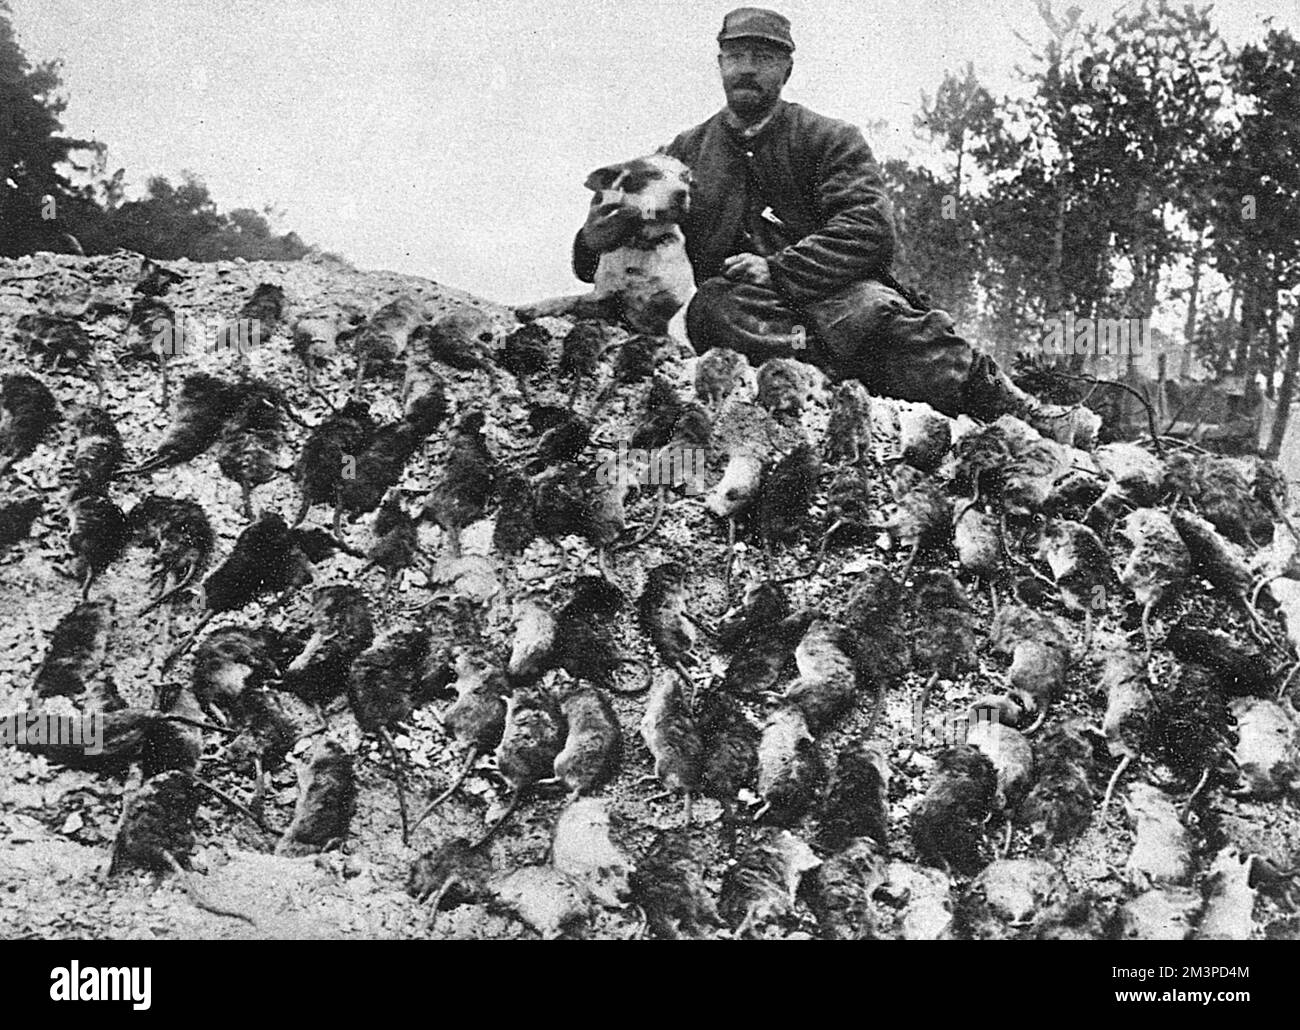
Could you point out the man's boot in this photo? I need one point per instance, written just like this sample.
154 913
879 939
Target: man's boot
989 392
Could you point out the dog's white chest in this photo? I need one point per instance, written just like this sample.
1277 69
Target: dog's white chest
653 282
665 264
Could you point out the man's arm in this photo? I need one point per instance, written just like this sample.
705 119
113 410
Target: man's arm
585 260
610 221
856 240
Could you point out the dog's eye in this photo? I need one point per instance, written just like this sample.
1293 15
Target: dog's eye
636 182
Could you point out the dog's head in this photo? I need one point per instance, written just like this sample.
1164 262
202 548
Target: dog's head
658 186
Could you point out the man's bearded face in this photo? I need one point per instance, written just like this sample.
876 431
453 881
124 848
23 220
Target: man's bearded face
753 73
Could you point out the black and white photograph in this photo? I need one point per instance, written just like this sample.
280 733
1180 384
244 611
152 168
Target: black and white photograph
651 471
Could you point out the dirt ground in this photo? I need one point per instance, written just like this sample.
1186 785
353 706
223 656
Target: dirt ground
57 825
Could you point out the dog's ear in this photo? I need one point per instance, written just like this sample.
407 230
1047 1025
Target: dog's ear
603 178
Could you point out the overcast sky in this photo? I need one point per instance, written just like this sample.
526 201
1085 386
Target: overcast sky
452 142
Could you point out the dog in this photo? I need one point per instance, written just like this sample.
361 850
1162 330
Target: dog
648 280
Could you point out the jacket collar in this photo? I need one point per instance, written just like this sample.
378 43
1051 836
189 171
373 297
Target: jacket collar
746 134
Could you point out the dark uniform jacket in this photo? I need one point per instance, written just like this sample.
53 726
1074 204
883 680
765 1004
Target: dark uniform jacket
804 192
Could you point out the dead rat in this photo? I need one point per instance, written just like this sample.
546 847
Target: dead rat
475 719
751 440
1012 757
669 731
1189 727
1221 563
762 605
848 433
1162 846
156 827
460 494
759 889
397 542
733 496
157 821
384 690
586 637
455 872
551 902
669 886
787 495
924 437
98 532
530 743
1230 898
944 640
850 509
17 513
1040 656
924 516
634 362
1128 707
718 374
571 501
825 687
270 723
594 744
1081 567
739 486
1059 805
1157 567
977 539
1242 670
1266 755
846 885
580 354
857 799
729 754
981 457
763 658
534 643
76 663
662 609
1004 899
948 823
327 793
676 464
790 770
882 650
342 628
783 386
582 847
516 521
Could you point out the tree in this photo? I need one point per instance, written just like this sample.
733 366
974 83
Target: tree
1256 223
33 191
183 221
961 112
935 253
39 203
1040 225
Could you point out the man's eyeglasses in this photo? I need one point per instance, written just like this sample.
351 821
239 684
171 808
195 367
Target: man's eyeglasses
759 58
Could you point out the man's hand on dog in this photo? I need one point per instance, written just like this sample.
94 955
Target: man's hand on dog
609 221
747 268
